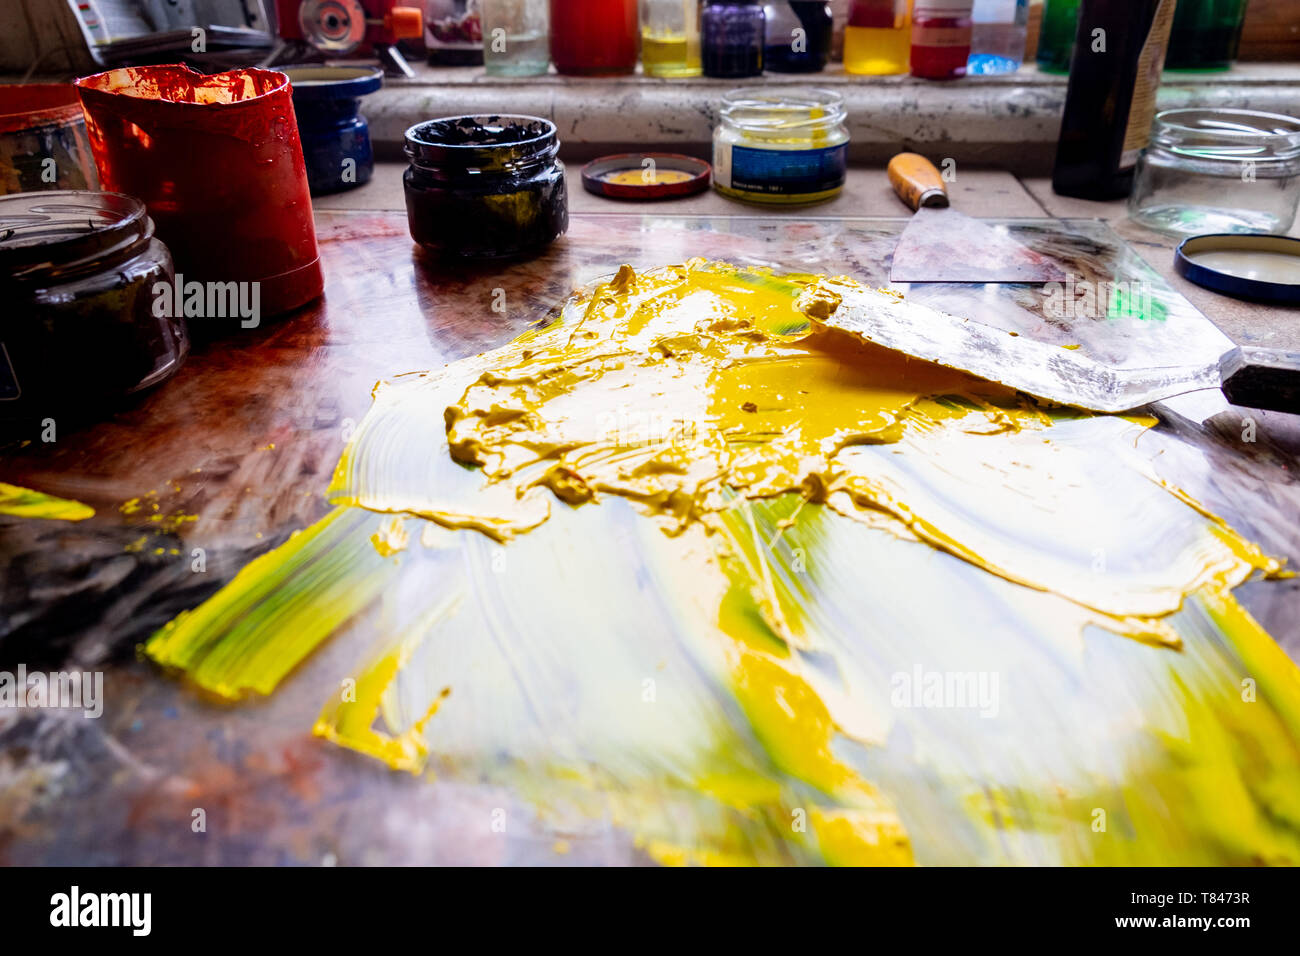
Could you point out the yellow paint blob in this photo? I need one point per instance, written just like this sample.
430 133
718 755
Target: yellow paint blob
682 388
646 177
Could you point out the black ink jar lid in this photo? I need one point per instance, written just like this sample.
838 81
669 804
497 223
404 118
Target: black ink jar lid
485 186
78 272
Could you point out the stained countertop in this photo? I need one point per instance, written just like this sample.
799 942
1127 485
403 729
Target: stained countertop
979 192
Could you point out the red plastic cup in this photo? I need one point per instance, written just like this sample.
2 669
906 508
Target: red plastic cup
218 163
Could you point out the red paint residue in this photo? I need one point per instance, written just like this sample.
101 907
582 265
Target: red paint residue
29 105
218 162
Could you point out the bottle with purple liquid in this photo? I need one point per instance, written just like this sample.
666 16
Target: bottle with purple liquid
732 38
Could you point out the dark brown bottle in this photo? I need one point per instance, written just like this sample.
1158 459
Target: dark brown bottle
1119 49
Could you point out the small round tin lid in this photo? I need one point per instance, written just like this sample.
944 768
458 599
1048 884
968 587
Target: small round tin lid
646 176
1242 265
43 231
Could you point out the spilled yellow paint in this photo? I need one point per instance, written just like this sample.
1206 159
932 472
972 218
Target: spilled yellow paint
665 561
25 503
646 177
679 387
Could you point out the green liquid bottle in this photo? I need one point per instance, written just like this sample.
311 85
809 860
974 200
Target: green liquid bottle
1056 37
1205 34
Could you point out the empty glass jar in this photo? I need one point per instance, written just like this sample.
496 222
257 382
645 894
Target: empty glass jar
516 41
1210 170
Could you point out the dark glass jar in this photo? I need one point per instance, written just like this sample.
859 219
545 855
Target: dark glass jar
485 186
84 321
798 36
731 38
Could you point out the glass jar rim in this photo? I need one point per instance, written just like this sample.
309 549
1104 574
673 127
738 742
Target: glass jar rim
56 233
755 104
1227 134
428 150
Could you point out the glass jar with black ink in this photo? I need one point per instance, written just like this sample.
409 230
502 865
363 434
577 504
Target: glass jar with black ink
83 321
798 36
485 186
731 38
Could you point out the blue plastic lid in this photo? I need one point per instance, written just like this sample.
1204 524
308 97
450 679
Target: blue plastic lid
1242 265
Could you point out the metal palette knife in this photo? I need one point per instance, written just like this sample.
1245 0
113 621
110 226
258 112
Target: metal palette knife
1253 377
941 244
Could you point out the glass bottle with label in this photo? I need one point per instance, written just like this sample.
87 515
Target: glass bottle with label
1056 38
515 40
1119 50
877 38
780 145
670 38
732 38
997 40
941 34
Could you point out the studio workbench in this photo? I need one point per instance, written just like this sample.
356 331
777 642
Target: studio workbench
233 456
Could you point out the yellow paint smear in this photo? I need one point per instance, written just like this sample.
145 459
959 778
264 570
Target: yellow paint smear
682 388
834 516
25 503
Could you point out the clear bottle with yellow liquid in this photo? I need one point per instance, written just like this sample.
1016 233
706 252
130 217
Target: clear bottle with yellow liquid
878 37
670 38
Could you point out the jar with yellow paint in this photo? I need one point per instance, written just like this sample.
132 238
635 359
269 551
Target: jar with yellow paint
780 145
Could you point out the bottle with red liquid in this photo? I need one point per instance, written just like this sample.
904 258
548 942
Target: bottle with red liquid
594 37
941 33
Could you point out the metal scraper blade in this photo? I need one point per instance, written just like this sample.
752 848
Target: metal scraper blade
1065 376
943 245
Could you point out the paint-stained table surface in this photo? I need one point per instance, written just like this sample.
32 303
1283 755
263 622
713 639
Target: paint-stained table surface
227 460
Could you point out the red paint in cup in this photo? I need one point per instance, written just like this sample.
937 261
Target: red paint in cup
218 163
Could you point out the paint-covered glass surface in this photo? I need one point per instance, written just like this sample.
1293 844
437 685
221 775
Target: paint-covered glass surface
823 604
596 691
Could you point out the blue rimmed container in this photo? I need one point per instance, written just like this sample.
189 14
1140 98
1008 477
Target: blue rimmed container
334 134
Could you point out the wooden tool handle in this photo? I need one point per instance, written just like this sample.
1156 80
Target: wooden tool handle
916 181
1262 378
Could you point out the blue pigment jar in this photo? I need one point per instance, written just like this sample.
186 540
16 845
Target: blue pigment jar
731 38
335 137
485 186
798 36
